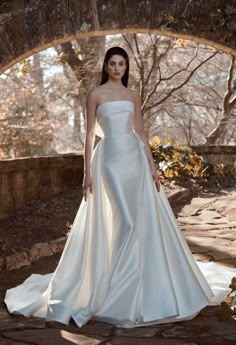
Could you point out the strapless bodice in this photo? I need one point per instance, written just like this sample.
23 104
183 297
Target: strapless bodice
115 118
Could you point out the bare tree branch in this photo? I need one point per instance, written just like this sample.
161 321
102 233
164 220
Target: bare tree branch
149 95
132 51
154 55
180 85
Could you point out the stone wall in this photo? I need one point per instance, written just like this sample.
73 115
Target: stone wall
217 154
26 179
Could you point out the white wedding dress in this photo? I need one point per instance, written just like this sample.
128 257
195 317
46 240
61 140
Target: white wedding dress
125 261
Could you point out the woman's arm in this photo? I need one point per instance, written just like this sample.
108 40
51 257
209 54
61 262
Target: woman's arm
138 126
89 141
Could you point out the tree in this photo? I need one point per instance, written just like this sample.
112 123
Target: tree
162 77
82 57
25 126
229 104
181 85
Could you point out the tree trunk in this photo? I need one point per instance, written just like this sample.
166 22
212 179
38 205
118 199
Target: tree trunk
228 104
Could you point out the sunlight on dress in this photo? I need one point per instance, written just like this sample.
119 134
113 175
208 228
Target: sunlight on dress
126 261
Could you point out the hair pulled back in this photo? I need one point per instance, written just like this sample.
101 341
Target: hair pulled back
115 51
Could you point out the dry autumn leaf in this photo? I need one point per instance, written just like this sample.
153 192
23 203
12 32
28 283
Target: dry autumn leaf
225 312
26 67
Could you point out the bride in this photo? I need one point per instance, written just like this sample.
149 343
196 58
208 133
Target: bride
125 261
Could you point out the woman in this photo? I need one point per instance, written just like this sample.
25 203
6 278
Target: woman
125 261
113 87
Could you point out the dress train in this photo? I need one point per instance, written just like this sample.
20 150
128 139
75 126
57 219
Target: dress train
125 261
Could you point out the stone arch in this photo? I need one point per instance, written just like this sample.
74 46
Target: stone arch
28 27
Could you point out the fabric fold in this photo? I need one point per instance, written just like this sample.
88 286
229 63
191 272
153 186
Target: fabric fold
125 261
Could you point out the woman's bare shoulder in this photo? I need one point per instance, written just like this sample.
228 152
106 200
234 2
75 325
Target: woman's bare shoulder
93 94
93 91
96 91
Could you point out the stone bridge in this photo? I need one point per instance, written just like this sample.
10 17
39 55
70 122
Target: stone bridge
30 26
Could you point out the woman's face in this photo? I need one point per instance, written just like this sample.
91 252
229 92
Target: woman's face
116 67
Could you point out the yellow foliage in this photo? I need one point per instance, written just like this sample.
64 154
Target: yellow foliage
174 159
227 308
155 140
180 42
26 67
187 148
170 19
62 58
233 284
167 140
225 312
169 173
229 300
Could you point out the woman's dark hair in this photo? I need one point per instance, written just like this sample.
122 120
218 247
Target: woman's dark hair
115 51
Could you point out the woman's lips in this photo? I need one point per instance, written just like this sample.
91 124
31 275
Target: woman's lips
117 73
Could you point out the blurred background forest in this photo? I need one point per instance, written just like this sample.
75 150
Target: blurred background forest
188 93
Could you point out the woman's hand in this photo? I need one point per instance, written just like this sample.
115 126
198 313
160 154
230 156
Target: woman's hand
155 178
87 185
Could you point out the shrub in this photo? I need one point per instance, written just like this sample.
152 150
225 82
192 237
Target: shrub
174 160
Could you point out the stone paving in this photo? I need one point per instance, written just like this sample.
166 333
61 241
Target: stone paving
208 224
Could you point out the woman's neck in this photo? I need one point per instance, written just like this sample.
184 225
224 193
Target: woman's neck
114 85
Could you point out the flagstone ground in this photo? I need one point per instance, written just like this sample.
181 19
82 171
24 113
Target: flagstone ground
209 225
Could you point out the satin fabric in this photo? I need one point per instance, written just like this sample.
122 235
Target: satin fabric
125 261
